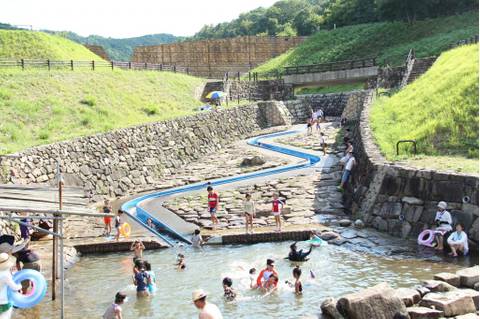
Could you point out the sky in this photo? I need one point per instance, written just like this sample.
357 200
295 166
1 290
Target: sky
121 18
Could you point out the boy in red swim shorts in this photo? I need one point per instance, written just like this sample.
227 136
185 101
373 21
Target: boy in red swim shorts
277 206
213 201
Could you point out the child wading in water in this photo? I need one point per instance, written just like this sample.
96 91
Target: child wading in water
297 272
138 248
107 209
180 262
277 206
114 311
152 286
118 224
229 292
249 209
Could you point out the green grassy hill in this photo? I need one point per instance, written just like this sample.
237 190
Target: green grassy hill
21 44
389 41
44 107
439 110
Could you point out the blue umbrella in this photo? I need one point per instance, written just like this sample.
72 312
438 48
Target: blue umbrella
215 95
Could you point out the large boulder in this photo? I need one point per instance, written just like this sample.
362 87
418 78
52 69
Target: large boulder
468 276
452 303
472 293
424 313
329 309
409 296
253 161
449 278
378 302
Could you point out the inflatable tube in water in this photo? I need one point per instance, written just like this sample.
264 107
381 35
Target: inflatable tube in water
316 241
36 294
125 230
426 237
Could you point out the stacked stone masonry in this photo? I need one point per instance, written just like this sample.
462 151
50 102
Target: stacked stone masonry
402 200
98 50
251 90
213 58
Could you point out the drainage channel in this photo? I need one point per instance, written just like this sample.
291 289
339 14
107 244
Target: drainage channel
168 233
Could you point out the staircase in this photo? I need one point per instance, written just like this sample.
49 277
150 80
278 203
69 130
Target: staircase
415 67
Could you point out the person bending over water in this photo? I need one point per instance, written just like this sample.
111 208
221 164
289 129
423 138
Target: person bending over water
114 311
298 255
228 292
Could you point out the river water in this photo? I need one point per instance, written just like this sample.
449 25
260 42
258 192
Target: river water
94 280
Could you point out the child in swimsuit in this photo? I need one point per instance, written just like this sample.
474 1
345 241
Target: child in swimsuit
180 262
253 280
107 209
138 249
114 311
277 206
271 283
297 272
229 292
152 286
118 223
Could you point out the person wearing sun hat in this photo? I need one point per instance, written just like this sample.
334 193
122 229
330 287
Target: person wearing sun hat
6 281
8 245
207 310
443 221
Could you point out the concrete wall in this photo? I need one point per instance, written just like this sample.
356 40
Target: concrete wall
331 76
212 58
251 90
402 200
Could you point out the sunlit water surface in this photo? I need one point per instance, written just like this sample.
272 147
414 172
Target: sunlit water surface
94 280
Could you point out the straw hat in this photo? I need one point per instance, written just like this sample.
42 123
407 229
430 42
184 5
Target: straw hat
198 294
7 244
6 261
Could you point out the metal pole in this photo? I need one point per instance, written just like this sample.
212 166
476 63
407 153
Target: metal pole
60 229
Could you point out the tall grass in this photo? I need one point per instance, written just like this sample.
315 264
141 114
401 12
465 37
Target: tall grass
39 107
21 44
439 110
388 41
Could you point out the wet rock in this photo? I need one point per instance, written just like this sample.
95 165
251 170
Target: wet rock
452 279
452 303
468 276
468 316
359 223
253 161
329 309
344 222
438 286
409 296
422 290
424 313
378 302
473 294
349 234
329 235
337 241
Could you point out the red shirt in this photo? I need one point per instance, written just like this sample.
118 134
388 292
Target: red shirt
212 200
276 205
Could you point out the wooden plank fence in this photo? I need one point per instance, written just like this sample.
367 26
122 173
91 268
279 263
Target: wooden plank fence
332 66
87 65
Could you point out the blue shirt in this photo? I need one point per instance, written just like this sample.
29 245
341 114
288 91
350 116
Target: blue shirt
141 279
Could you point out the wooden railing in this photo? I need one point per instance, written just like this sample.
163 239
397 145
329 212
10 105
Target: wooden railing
332 66
470 40
85 65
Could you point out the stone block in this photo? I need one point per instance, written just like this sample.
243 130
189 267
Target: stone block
468 276
380 224
473 232
472 293
412 213
329 309
447 191
468 316
470 209
412 200
452 303
409 296
424 313
378 302
391 210
452 279
438 286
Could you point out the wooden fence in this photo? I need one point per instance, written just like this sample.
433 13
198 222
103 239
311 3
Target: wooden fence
87 65
332 66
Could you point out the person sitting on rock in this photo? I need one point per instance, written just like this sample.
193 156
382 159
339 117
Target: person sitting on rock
298 255
458 241
443 221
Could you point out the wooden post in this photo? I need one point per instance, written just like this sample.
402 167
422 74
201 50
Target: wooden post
161 67
22 61
48 64
249 76
111 63
174 69
187 70
129 65
93 65
145 65
71 65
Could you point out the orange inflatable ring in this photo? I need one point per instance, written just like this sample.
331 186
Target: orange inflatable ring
125 230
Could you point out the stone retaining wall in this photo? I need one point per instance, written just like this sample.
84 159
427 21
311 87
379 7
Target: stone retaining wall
402 200
251 90
130 159
266 237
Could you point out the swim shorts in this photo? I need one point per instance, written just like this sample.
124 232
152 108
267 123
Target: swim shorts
212 210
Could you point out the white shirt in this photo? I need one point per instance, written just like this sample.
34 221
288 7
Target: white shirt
322 140
350 163
249 206
444 217
459 238
5 282
210 311
196 240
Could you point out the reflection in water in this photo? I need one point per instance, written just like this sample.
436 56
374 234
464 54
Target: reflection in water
93 282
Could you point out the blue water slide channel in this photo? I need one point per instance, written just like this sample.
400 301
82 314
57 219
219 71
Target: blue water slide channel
168 233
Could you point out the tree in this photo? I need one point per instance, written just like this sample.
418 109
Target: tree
348 12
307 22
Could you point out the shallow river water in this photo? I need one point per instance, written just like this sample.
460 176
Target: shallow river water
93 281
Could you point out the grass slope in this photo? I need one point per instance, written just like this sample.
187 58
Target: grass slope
21 44
44 107
439 110
387 40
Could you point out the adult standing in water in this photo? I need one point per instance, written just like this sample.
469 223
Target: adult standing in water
213 201
207 310
265 274
443 220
